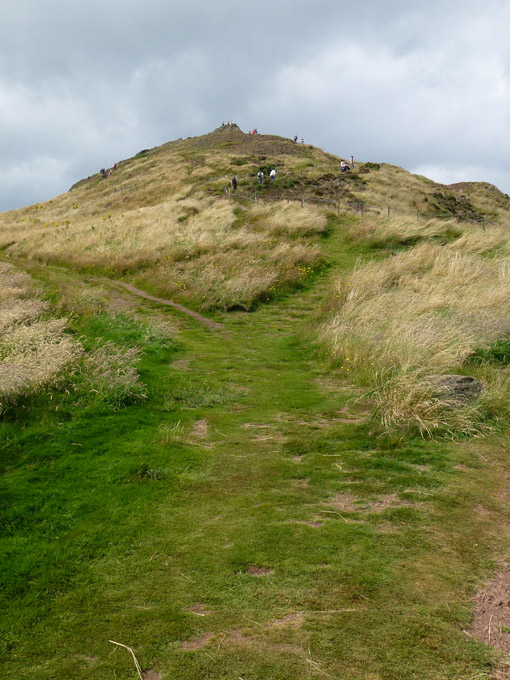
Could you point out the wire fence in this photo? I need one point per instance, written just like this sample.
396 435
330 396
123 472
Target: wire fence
355 207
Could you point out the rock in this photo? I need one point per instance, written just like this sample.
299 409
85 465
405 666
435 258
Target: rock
460 387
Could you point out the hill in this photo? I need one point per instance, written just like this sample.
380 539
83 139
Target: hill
260 435
157 217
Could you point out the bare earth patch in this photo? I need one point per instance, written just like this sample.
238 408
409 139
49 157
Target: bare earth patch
258 571
350 503
181 365
292 620
199 610
199 643
463 468
200 428
491 622
387 528
151 675
237 638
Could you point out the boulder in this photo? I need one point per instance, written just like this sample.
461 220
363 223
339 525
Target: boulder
460 387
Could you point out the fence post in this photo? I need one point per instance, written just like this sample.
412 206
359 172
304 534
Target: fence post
338 208
361 206
388 211
317 204
483 223
302 202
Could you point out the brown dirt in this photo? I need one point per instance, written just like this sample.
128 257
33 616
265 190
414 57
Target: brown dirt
350 503
200 428
150 675
247 426
491 622
387 528
292 620
199 643
181 364
258 571
195 315
237 638
199 609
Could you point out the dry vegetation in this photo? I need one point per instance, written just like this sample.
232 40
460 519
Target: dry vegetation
163 220
38 353
398 324
199 249
34 352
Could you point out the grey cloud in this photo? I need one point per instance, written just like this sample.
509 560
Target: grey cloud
84 84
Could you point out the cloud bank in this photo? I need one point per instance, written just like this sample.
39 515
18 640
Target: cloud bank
83 85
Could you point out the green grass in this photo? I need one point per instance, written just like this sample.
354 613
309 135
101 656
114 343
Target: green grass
241 498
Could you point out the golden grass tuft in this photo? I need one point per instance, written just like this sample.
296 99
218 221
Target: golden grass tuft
110 372
397 324
33 352
193 249
289 218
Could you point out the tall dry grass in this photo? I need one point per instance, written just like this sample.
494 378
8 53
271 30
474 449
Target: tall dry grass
110 373
401 230
398 324
34 352
203 251
289 219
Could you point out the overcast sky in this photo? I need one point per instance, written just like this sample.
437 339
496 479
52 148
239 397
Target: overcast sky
85 83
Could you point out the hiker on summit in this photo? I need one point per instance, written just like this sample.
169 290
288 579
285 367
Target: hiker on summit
295 139
352 162
272 174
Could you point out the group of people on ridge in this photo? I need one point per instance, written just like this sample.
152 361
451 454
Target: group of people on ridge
344 167
347 166
104 173
260 177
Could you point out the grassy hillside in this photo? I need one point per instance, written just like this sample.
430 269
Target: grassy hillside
162 219
289 493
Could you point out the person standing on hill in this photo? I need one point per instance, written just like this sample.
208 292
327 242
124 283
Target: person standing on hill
272 174
352 162
234 183
260 176
295 138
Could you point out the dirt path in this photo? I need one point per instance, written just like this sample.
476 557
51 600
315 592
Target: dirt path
136 291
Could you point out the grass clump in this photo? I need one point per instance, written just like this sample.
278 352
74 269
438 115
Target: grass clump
110 373
396 325
35 352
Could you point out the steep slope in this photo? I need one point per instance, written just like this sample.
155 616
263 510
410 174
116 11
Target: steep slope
162 218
